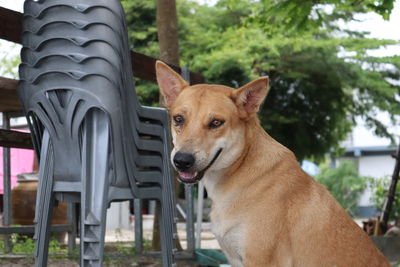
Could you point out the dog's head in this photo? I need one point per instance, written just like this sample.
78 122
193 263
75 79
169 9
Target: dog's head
208 121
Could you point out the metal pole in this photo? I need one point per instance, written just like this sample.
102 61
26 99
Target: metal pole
189 219
188 193
199 214
7 213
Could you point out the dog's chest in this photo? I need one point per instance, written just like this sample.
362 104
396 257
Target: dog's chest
230 235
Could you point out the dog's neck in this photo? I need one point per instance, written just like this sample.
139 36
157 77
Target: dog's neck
258 145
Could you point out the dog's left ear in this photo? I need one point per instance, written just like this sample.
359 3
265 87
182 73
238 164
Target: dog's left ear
249 97
170 82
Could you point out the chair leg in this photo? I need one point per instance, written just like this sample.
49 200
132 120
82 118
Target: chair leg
138 204
167 235
71 219
44 203
94 196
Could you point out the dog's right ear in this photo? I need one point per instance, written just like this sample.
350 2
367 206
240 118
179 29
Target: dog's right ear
170 82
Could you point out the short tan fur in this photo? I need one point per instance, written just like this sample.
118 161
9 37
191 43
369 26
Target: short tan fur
266 211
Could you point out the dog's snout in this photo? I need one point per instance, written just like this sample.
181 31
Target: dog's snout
183 161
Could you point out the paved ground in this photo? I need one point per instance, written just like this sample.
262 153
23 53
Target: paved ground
123 235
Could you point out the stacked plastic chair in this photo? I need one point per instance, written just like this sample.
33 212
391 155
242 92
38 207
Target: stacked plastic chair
95 143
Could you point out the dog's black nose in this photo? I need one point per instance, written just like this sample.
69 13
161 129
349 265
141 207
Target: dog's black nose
183 161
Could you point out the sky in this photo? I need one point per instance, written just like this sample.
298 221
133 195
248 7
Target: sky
378 28
12 4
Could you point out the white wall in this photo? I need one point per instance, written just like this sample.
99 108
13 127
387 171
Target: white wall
118 216
377 167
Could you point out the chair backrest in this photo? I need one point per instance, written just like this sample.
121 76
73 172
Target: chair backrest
76 58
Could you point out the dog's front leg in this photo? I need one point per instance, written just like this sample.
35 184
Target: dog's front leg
260 258
253 262
234 259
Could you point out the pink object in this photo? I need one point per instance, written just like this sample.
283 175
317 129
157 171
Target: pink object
21 162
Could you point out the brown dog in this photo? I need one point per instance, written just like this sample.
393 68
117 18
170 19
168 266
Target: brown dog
266 211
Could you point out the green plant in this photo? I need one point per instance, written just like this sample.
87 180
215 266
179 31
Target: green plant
22 244
344 183
146 244
2 247
56 247
124 249
9 61
380 188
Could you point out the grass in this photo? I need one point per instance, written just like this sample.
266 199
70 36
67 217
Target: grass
22 244
115 254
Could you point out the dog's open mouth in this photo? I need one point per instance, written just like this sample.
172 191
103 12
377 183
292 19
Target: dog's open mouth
194 177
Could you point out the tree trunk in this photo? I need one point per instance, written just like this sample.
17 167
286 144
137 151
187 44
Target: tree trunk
167 28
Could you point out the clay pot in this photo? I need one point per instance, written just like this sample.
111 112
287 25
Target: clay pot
23 204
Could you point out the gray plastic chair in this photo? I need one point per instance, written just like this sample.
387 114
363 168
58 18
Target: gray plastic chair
96 144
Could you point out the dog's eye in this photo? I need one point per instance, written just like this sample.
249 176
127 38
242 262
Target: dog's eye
178 119
215 123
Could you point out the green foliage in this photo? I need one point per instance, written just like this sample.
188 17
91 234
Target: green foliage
344 183
142 30
9 63
380 189
148 92
321 75
2 246
307 14
142 33
22 244
116 254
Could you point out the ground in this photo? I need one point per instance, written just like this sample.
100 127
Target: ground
15 261
118 250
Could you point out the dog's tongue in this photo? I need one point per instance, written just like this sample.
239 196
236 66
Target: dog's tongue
187 175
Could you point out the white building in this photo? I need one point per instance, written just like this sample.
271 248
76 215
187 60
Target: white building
373 161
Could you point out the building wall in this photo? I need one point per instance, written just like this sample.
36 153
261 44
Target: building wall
373 166
377 167
118 216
